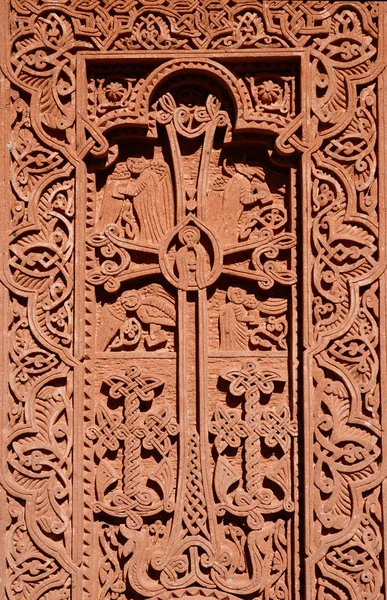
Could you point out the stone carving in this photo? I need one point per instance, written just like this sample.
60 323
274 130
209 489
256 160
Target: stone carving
247 197
244 322
188 229
197 541
140 193
122 321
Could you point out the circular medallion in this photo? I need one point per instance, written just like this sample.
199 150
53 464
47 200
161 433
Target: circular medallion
190 257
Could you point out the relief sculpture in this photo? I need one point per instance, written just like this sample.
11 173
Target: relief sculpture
122 321
202 490
193 285
245 321
139 193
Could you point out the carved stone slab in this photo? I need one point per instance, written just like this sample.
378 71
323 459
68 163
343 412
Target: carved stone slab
194 292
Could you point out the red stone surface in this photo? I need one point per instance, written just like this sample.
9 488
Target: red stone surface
193 286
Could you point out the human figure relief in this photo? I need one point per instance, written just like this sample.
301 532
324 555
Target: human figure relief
234 318
149 190
191 259
112 205
242 187
204 517
245 321
150 306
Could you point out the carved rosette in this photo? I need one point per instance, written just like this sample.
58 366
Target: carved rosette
198 163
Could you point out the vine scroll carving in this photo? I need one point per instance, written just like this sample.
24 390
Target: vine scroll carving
193 287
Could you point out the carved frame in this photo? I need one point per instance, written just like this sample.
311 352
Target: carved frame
43 362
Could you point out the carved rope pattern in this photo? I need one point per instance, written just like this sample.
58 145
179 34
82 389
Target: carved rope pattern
343 289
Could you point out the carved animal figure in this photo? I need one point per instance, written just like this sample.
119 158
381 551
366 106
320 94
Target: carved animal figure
151 306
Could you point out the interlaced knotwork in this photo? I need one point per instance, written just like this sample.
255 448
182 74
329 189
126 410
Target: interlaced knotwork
195 514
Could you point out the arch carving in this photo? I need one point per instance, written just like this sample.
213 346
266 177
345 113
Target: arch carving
193 285
259 103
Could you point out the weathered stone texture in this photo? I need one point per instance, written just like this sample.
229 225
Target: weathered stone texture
193 284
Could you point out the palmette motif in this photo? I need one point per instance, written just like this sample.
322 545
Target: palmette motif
144 457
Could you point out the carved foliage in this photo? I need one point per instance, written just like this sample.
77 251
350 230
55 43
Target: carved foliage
232 531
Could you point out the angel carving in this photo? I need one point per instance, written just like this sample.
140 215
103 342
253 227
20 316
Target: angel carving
238 190
139 192
150 192
122 322
113 207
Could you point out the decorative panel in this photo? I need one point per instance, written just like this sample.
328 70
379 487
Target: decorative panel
194 292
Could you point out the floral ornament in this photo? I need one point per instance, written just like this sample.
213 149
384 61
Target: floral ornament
268 92
114 91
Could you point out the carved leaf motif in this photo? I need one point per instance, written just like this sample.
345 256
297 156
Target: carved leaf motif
231 533
225 477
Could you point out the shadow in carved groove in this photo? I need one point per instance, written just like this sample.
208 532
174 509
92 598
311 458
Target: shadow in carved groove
193 259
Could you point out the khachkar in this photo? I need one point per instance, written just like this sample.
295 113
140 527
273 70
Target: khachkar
194 291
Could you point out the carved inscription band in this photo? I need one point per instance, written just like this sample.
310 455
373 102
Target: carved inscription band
194 292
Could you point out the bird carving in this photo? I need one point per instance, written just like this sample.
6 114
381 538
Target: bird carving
150 306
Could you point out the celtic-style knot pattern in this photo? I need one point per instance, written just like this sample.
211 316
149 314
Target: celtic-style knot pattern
273 424
194 299
133 387
157 430
251 380
195 514
228 428
277 427
108 431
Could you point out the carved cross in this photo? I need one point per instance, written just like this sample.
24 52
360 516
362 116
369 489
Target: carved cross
172 232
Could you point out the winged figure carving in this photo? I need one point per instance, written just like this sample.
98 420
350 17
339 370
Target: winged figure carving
122 322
